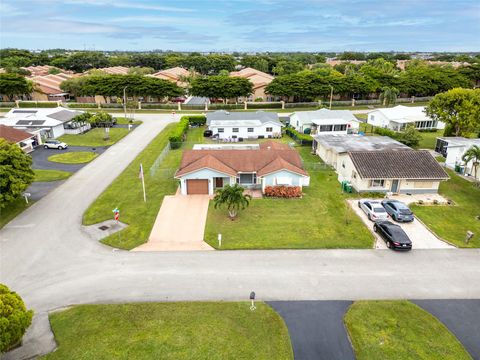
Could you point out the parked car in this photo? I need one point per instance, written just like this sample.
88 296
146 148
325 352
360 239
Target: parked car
54 144
394 236
374 209
398 210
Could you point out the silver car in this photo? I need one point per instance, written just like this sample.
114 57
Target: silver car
398 210
374 209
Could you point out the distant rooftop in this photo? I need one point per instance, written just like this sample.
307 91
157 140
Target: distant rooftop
346 143
222 117
460 141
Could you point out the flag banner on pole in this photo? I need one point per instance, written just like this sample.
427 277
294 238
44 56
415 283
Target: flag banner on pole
140 174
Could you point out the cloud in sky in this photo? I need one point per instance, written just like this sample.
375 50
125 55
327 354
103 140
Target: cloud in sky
243 25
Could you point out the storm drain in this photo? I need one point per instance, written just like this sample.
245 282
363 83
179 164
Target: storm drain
103 227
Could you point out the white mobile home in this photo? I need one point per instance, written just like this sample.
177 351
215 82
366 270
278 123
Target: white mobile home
325 121
453 148
398 117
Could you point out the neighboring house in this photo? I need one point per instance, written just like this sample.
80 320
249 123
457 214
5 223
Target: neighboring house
51 122
244 125
25 140
453 148
113 70
268 164
334 149
404 172
47 87
325 122
398 117
259 79
39 70
176 75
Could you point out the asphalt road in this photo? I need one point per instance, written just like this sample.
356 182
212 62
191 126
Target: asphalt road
40 157
47 258
316 329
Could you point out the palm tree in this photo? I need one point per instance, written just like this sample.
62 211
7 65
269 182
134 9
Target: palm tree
473 154
232 198
388 96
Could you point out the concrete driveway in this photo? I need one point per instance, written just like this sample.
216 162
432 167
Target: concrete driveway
421 236
180 225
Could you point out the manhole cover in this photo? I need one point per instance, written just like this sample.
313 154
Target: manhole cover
103 227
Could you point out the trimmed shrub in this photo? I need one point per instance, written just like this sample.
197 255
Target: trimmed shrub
178 133
111 105
225 106
36 104
386 132
14 318
274 105
83 105
159 106
303 139
282 191
7 104
196 120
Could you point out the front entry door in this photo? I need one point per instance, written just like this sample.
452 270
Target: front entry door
218 182
394 188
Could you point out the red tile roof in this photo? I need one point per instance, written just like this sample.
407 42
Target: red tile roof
13 135
271 157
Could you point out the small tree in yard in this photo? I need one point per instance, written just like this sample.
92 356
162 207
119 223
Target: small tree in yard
410 137
233 198
14 318
473 155
389 96
15 172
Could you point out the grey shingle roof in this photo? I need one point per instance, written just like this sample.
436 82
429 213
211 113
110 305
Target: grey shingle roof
342 143
397 165
239 115
64 115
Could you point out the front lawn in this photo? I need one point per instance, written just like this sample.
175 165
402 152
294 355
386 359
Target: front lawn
125 192
197 330
321 219
452 222
50 175
429 139
77 157
399 330
12 209
95 137
126 121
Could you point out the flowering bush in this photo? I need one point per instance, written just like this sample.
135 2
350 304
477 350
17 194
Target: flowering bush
283 191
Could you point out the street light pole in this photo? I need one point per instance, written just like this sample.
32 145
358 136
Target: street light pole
331 96
125 102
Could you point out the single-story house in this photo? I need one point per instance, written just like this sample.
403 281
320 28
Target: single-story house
453 148
325 121
175 74
268 164
25 140
404 172
259 79
51 122
334 149
244 125
47 87
398 117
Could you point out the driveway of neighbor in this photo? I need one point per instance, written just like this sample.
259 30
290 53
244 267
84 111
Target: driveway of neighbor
316 329
180 225
40 157
461 317
421 236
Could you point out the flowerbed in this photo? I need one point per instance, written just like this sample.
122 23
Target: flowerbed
283 191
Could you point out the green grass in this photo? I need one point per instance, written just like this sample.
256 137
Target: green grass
125 121
12 209
50 175
77 157
125 192
321 219
361 117
399 330
452 222
429 139
197 330
95 137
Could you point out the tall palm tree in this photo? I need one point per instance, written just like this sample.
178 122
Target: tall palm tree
233 198
473 154
389 96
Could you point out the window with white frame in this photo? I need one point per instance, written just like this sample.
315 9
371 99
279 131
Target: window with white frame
221 130
340 127
324 128
250 129
247 179
235 130
379 183
269 129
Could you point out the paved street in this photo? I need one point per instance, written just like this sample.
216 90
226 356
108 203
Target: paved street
51 262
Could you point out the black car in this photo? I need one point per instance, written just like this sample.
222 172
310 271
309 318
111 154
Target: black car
394 236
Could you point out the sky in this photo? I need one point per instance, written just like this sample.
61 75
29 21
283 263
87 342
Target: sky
242 25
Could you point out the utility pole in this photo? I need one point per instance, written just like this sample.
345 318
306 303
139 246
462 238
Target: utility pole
125 102
331 96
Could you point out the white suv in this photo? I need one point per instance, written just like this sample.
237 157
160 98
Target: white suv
54 144
374 210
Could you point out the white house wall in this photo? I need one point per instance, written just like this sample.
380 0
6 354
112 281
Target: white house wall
203 174
243 131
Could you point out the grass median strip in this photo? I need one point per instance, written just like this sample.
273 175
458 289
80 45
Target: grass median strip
452 222
50 175
95 137
12 209
399 330
125 192
194 330
76 157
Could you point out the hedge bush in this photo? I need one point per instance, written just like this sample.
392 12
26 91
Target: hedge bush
303 139
225 106
7 104
177 135
196 120
282 191
386 132
111 105
83 105
264 106
159 106
14 318
37 104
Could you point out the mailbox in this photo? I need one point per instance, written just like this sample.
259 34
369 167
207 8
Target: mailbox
252 295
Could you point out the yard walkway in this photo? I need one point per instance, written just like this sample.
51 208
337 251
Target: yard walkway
180 225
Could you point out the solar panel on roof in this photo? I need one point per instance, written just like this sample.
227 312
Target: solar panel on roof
30 122
24 111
